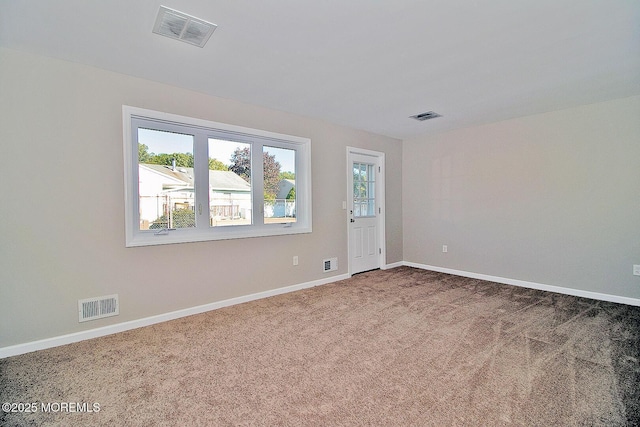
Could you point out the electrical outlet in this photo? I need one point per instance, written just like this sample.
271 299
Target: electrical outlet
444 248
295 260
636 269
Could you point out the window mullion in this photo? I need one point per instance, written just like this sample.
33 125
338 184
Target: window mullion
257 183
201 178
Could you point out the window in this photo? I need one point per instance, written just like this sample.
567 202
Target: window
364 199
189 180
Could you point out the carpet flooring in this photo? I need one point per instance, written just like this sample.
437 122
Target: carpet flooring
400 347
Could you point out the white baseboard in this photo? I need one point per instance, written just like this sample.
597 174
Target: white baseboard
393 265
147 321
15 350
531 285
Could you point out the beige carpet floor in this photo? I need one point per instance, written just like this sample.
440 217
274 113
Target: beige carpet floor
401 347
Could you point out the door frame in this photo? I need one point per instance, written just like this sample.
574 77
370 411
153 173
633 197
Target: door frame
380 203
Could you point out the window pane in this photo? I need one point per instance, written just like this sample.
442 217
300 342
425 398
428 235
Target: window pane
371 207
166 196
230 201
363 190
279 180
356 173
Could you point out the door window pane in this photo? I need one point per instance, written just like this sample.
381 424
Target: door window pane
230 201
279 181
166 196
363 190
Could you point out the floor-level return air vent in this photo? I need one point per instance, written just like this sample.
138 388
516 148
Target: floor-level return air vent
97 308
330 264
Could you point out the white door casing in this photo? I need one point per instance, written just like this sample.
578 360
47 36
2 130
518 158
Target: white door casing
365 178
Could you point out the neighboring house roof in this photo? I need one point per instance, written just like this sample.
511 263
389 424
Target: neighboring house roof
180 176
284 186
227 181
223 181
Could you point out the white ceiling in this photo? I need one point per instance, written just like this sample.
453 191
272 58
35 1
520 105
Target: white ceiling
367 64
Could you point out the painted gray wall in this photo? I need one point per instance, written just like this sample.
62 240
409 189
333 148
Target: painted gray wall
62 213
552 198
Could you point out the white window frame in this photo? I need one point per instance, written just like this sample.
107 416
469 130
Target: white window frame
202 130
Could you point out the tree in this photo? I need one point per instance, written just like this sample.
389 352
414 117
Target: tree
217 165
287 175
291 195
241 165
271 172
143 153
184 160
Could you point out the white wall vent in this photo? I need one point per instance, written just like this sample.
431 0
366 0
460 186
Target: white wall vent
180 26
97 308
330 264
425 116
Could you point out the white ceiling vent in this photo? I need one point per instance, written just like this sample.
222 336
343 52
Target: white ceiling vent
425 116
180 26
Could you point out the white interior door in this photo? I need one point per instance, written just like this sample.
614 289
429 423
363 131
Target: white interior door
365 212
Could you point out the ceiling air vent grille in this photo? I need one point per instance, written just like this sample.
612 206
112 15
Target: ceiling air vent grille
180 26
426 116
